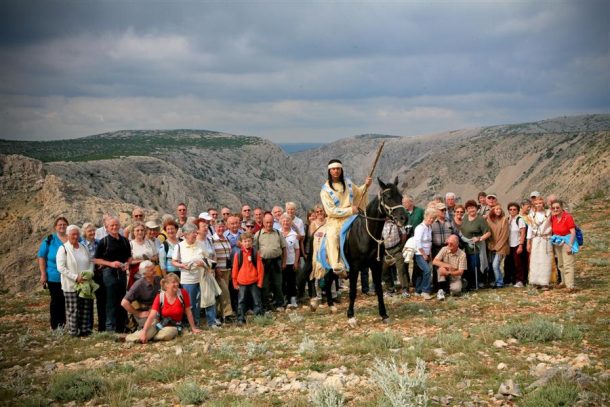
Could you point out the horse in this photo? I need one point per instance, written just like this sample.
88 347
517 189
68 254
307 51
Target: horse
364 245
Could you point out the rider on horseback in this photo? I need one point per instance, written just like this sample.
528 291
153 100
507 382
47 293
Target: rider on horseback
339 197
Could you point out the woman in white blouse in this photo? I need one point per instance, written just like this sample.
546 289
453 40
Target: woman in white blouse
189 257
72 261
423 247
538 245
141 249
292 259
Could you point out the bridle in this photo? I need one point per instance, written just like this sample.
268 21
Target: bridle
383 207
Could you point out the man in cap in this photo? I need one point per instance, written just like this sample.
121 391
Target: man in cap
339 197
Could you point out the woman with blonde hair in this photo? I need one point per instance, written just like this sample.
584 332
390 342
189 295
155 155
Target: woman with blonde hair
498 241
538 245
317 231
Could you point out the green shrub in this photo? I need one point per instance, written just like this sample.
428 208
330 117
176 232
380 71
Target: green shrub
76 386
307 346
540 330
190 392
555 393
400 386
326 396
385 340
262 320
254 350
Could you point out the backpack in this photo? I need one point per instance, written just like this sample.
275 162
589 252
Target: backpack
579 236
240 257
162 300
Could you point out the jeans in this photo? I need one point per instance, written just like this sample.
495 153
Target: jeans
115 281
474 268
423 282
194 292
254 293
210 315
497 260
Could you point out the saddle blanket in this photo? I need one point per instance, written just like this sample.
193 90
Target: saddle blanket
322 257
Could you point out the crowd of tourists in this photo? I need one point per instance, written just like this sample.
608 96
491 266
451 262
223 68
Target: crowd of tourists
152 277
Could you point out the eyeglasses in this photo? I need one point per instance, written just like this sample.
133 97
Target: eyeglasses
443 210
249 226
138 216
459 212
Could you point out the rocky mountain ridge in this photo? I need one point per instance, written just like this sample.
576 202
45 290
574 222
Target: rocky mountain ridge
567 156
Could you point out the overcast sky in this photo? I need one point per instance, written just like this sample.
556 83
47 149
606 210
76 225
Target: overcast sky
297 70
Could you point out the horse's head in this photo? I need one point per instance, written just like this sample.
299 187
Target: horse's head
390 202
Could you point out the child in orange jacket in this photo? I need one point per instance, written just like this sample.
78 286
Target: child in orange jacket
247 275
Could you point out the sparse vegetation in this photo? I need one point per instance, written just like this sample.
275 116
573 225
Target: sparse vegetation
190 392
400 386
326 396
76 386
540 330
558 392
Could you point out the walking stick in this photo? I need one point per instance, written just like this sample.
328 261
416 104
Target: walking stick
366 187
476 269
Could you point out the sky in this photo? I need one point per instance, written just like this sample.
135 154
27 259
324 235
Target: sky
297 71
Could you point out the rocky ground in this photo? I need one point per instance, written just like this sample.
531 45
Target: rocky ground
494 347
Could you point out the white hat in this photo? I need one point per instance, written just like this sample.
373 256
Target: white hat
534 194
205 216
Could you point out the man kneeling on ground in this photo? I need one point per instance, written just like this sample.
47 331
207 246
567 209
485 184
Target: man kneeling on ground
164 320
451 263
141 295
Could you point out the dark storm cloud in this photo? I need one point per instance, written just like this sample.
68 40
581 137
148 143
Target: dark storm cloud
268 67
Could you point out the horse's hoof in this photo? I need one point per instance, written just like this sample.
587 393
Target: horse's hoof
385 320
352 322
333 309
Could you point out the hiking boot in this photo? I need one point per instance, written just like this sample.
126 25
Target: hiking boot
426 296
341 273
333 309
440 295
280 309
405 294
519 284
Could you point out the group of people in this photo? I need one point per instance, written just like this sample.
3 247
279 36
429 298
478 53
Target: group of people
155 277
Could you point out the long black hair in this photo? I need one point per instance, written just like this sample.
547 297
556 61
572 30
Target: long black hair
341 177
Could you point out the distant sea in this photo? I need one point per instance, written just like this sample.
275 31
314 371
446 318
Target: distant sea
291 148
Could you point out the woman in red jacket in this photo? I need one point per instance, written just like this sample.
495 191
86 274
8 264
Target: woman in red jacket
563 224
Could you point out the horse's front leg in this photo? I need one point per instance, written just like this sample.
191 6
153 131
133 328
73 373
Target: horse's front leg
376 271
329 279
353 289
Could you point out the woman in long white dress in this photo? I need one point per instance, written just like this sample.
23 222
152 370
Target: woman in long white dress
538 245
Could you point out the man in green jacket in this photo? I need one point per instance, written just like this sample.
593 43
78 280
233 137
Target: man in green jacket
416 216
